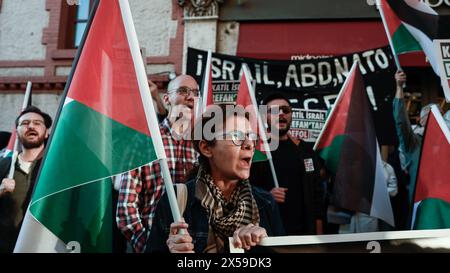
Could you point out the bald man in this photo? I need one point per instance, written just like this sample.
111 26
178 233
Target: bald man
141 188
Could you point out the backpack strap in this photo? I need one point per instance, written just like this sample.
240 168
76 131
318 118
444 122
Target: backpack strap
181 197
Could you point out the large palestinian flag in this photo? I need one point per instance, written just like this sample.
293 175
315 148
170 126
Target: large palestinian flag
349 148
432 195
101 131
413 25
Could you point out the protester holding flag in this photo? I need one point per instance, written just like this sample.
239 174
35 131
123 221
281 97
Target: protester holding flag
142 188
32 127
412 25
300 195
410 141
220 203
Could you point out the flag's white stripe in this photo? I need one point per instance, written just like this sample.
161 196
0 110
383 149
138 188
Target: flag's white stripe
67 101
381 203
35 237
426 44
414 213
420 6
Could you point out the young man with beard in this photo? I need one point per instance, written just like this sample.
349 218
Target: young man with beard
32 127
300 195
141 188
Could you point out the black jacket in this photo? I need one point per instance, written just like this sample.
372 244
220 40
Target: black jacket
312 187
8 233
195 215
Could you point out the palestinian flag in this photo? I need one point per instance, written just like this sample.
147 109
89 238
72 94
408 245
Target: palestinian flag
101 131
349 148
432 195
246 98
13 143
413 25
402 40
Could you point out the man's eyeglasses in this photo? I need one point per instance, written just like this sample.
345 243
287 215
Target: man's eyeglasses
238 137
185 91
277 109
35 122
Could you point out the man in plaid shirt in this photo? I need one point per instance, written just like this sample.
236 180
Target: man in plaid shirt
141 188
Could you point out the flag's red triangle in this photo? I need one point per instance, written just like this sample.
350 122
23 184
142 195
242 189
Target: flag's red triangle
105 78
337 121
392 21
243 95
433 178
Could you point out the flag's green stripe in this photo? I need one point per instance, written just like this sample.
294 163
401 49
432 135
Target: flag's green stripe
88 146
331 153
82 214
404 42
432 213
259 156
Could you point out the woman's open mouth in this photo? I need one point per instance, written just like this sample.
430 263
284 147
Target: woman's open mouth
246 162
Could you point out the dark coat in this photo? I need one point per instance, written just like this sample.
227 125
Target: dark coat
9 233
196 216
313 188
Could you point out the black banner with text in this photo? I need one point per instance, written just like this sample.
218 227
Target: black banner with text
311 85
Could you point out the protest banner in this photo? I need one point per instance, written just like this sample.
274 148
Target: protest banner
310 84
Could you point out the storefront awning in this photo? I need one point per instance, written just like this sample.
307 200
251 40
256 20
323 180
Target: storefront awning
283 40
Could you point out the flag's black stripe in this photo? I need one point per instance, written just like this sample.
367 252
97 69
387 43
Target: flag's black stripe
425 22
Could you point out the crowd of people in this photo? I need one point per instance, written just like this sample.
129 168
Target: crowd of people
221 192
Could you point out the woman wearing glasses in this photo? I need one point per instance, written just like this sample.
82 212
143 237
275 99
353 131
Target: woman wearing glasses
220 201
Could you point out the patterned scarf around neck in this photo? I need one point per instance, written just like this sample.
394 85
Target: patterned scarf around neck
226 216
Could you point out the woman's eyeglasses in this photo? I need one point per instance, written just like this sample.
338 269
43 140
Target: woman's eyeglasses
238 137
185 91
